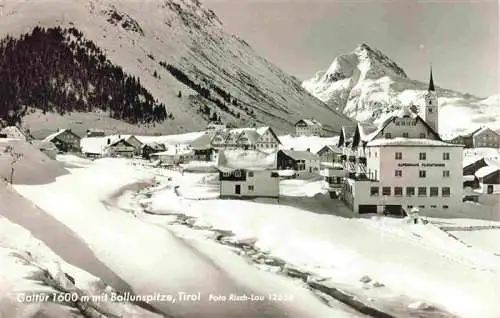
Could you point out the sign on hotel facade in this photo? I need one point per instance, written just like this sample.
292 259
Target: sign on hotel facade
403 169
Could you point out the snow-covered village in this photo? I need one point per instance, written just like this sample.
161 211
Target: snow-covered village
152 164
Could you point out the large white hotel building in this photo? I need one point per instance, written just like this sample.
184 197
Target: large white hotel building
402 163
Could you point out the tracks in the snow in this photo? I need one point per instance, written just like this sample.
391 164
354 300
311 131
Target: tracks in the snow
316 284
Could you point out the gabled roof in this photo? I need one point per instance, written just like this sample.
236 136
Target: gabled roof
154 145
310 122
230 160
116 142
231 136
262 130
13 131
202 142
300 155
402 114
486 171
483 129
409 142
252 136
331 148
58 133
468 161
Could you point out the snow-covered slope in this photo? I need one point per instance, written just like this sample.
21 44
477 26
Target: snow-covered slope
368 86
148 38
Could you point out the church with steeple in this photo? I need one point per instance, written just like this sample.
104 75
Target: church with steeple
431 109
403 164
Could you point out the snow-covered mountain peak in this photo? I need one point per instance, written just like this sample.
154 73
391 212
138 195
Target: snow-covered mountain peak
367 85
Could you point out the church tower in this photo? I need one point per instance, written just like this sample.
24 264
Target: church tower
431 106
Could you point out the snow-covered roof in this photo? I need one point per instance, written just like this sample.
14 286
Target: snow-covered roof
230 160
483 129
367 132
59 132
310 122
469 178
333 148
154 145
286 173
300 155
203 142
405 111
13 132
485 171
409 142
470 160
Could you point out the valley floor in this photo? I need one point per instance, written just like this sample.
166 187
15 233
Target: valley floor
165 232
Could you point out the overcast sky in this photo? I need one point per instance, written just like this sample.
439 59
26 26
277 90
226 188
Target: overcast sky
460 38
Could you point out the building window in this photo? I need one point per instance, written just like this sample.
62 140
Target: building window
446 156
405 135
446 173
375 154
237 173
250 188
433 206
434 191
398 191
421 173
445 191
445 206
374 191
410 191
410 206
398 155
422 135
386 190
226 174
422 191
421 206
388 136
250 173
398 173
422 156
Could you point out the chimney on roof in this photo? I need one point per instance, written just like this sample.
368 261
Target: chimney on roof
309 149
109 141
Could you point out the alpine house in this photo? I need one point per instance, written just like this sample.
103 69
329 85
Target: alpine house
402 164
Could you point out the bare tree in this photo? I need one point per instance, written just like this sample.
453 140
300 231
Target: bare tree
14 158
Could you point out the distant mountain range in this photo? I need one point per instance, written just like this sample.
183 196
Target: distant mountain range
368 86
140 66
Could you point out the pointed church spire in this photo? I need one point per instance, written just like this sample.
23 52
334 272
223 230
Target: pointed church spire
431 83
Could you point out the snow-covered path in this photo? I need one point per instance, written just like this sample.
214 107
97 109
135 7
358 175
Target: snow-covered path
154 262
57 236
413 265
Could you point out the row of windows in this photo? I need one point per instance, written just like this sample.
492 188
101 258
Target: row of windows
237 174
485 144
421 173
432 206
421 156
405 135
267 145
410 191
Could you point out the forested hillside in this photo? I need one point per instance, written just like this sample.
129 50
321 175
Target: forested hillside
57 69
